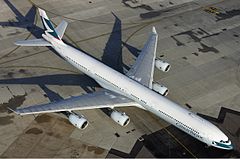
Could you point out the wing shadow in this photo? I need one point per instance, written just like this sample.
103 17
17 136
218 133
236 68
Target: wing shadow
52 96
112 54
85 82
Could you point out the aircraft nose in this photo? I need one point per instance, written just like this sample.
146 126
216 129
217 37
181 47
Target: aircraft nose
227 145
231 145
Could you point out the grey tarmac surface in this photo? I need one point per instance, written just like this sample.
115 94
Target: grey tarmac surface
200 43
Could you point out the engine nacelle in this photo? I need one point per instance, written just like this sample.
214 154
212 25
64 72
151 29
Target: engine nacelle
78 121
160 89
162 65
120 118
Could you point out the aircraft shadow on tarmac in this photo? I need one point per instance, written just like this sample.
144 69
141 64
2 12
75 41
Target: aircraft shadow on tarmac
112 56
26 22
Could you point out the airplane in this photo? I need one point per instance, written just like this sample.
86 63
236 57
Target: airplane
134 88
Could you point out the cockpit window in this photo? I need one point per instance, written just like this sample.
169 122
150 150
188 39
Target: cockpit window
224 141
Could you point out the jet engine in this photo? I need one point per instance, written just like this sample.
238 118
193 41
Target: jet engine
120 118
162 65
78 121
160 89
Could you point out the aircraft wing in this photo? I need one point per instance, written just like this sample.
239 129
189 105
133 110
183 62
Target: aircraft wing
100 99
143 69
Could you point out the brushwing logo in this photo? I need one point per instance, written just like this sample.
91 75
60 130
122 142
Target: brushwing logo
48 29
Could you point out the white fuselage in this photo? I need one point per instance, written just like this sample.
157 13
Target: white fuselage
161 106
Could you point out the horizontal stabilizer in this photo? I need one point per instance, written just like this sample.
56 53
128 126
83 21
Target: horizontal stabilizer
60 29
33 42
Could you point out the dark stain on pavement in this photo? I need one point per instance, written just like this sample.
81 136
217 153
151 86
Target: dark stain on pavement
191 34
6 120
56 135
153 14
34 131
194 53
13 103
206 49
43 118
228 14
97 150
143 6
179 43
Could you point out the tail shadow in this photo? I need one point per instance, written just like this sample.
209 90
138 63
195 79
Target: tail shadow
26 22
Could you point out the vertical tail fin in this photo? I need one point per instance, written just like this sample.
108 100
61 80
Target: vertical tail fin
49 31
47 24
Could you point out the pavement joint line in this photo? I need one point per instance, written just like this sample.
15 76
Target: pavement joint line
41 138
86 21
44 51
17 47
146 23
10 52
43 67
107 33
94 37
131 35
110 23
13 50
175 138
